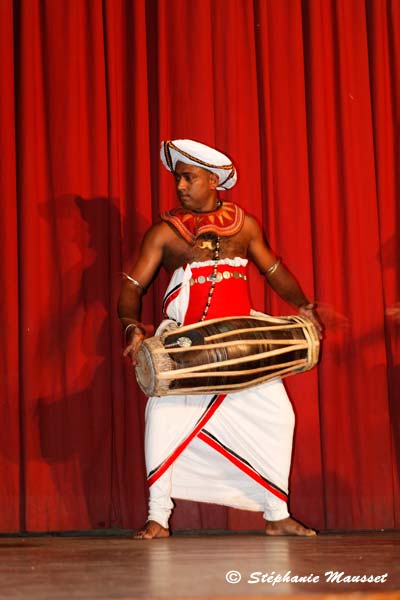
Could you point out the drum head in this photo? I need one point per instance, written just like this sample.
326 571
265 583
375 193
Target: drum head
145 371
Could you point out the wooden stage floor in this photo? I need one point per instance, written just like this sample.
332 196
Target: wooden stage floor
196 566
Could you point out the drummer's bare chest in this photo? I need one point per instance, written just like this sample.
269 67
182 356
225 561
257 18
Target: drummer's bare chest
178 252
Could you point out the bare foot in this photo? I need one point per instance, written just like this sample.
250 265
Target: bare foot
151 530
288 526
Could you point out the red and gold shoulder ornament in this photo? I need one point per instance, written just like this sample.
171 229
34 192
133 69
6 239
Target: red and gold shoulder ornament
225 221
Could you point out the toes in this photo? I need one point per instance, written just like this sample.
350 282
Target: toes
310 533
138 535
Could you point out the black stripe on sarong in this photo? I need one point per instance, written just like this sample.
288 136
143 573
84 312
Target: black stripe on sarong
169 294
244 461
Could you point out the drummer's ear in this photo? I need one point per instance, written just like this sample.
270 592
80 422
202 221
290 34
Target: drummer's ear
214 181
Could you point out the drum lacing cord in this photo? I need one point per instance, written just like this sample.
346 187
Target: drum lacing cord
213 278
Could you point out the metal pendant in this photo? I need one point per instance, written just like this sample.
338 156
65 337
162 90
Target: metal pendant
207 244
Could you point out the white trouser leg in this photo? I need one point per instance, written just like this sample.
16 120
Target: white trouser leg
160 503
275 508
169 421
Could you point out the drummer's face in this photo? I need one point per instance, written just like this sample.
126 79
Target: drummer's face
196 187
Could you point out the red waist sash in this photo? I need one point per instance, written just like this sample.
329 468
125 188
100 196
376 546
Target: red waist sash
230 297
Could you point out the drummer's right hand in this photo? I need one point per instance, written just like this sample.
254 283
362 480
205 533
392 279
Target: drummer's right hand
135 333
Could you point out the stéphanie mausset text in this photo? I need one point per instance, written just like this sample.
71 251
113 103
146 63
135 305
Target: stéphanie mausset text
274 578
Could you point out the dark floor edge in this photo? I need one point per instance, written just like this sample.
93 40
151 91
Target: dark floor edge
119 532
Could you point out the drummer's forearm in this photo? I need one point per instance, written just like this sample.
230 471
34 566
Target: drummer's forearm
286 286
129 305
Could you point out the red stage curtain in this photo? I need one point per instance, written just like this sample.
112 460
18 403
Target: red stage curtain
305 97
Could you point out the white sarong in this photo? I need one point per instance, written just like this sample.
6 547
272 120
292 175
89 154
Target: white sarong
232 449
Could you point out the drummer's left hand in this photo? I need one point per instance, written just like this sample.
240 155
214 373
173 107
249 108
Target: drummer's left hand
311 313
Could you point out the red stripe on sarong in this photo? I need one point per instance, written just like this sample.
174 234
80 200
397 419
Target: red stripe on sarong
204 419
242 466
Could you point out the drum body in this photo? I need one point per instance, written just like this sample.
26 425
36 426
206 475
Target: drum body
225 355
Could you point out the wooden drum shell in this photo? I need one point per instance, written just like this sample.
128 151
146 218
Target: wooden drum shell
226 355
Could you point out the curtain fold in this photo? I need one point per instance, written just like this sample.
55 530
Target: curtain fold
11 458
305 97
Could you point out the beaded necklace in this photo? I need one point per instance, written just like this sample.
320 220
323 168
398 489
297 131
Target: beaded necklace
213 278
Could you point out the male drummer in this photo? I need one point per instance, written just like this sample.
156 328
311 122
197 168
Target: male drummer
232 449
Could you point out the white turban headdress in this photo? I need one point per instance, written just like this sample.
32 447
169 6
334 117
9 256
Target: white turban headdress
199 155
